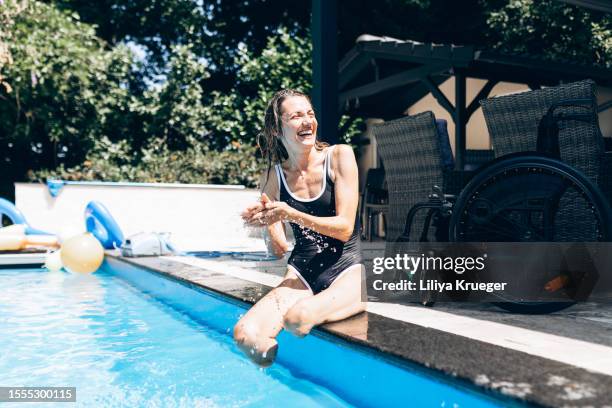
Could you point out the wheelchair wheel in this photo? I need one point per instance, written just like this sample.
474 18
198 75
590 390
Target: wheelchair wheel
526 197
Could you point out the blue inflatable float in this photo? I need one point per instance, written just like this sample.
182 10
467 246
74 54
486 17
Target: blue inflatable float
8 209
102 225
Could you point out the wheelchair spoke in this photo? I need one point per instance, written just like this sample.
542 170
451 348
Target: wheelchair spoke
530 198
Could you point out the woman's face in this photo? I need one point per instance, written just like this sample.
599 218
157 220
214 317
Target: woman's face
299 123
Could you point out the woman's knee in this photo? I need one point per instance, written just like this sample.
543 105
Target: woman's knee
300 312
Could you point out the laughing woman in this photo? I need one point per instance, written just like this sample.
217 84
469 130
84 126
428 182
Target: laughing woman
314 187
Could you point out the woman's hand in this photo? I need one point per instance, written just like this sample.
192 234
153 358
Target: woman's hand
255 209
275 211
251 210
266 212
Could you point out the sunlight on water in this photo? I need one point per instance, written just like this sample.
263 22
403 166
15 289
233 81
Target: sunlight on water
119 347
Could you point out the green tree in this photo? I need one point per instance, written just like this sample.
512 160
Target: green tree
283 63
178 110
58 80
553 30
214 29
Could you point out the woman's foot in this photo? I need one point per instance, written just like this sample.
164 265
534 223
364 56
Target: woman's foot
264 359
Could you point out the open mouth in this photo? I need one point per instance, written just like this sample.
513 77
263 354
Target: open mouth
305 133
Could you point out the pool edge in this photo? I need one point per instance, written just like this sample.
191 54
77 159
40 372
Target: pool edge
432 350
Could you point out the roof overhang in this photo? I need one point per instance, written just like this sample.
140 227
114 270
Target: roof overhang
599 5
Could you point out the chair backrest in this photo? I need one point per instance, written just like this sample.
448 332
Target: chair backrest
513 120
410 150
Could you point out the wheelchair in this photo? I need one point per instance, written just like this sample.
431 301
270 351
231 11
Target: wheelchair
521 197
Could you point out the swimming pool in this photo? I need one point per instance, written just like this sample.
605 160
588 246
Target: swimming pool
130 337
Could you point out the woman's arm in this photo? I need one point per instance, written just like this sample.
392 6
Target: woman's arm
346 185
277 242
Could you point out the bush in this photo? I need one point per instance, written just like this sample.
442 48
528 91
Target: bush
156 163
57 81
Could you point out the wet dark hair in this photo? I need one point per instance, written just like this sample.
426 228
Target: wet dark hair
271 146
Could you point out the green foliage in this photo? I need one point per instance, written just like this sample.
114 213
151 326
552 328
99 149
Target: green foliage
214 30
73 103
57 83
196 164
177 107
285 62
7 22
553 30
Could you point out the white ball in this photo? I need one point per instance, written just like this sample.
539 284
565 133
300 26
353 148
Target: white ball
54 261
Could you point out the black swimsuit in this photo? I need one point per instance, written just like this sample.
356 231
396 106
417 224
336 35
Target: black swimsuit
319 259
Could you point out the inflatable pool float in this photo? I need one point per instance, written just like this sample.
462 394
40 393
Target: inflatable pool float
8 209
102 225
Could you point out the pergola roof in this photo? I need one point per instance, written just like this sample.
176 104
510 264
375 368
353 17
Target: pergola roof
379 69
383 76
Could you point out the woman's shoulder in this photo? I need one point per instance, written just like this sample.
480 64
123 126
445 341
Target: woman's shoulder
342 158
341 152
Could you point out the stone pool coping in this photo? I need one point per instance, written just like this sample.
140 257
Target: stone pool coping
492 368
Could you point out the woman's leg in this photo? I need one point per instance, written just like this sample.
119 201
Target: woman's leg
255 333
341 300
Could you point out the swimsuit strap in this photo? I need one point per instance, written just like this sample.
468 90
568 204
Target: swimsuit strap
328 161
284 184
278 177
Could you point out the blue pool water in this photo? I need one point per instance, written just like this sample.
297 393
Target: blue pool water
165 344
118 346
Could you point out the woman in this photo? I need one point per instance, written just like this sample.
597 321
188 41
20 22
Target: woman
314 187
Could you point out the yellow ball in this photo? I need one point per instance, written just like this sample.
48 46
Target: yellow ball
54 261
82 253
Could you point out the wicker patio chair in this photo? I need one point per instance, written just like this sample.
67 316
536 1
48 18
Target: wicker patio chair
513 121
410 150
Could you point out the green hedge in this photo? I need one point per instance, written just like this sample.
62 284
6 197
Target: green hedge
157 164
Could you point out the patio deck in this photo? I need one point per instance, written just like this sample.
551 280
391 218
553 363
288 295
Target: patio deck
560 359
